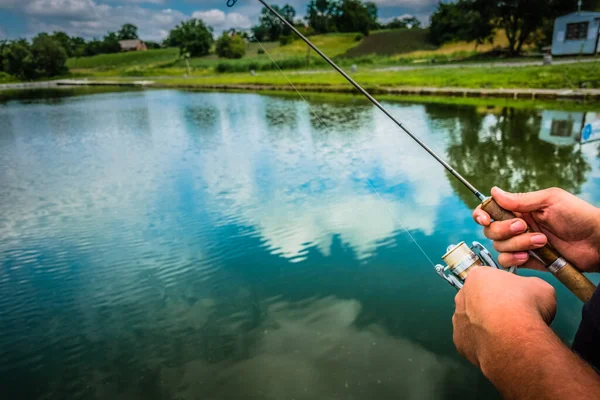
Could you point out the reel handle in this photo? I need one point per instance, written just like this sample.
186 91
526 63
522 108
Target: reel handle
562 269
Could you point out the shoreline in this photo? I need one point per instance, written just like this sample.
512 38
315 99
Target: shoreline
514 94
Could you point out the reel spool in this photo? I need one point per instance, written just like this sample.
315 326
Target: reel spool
461 259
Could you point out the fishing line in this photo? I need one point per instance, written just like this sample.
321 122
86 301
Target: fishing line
328 130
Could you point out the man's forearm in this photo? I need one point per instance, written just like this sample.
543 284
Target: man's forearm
534 364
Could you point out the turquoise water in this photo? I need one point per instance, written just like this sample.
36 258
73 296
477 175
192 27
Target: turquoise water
182 245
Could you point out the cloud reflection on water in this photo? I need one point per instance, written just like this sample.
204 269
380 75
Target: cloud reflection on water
313 350
257 161
300 187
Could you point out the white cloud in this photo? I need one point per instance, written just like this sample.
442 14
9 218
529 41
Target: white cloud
423 17
221 21
390 19
90 18
211 17
2 34
79 9
152 24
166 17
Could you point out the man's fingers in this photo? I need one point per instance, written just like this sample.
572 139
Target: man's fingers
513 259
520 259
524 202
481 217
524 242
502 230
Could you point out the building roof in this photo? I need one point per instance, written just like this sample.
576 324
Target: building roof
589 14
129 44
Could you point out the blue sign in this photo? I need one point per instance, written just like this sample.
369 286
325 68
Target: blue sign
591 132
587 132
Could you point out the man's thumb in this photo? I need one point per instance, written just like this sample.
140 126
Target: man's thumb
520 202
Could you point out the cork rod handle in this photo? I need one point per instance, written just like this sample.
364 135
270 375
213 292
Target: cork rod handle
571 277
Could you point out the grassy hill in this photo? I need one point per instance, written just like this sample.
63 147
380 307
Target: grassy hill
388 47
388 43
332 44
406 44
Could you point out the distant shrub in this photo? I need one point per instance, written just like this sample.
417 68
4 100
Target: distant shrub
152 45
359 37
6 78
225 67
49 56
231 46
265 65
132 72
191 36
285 40
306 30
44 57
240 66
260 51
18 60
292 63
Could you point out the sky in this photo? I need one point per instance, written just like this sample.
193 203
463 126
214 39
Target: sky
154 18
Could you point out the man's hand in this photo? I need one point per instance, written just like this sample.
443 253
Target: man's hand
501 326
494 304
570 224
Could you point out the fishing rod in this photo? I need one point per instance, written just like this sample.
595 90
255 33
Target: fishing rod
461 259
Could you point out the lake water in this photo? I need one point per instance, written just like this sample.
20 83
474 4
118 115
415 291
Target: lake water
188 245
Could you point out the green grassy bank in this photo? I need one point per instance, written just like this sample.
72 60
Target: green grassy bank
573 76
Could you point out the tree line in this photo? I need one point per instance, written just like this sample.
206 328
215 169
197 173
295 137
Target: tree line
524 21
327 16
46 54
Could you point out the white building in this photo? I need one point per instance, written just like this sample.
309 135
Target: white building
576 33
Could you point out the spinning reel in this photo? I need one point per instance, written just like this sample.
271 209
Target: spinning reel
461 259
